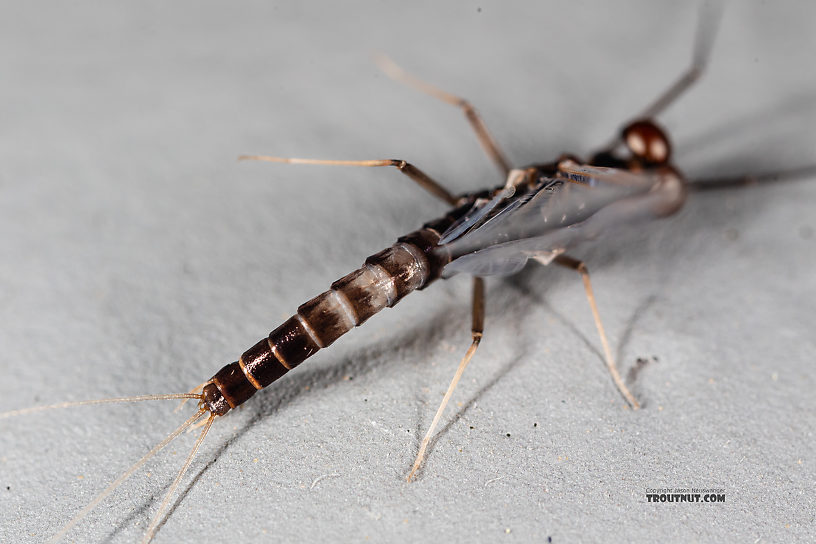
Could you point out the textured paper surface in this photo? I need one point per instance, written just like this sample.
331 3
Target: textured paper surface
137 256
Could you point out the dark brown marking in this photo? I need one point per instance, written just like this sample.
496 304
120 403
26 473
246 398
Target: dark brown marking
648 142
233 384
227 389
402 266
214 400
249 376
260 363
361 297
426 240
322 315
478 311
292 342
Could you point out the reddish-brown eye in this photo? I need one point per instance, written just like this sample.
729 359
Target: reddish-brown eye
647 142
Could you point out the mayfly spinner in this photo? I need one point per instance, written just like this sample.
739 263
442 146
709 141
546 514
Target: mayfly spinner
540 212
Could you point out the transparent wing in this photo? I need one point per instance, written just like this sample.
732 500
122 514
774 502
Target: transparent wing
580 203
481 208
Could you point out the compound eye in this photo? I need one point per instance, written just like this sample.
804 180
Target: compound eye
647 142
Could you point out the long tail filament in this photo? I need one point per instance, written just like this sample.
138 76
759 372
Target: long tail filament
116 483
158 516
33 409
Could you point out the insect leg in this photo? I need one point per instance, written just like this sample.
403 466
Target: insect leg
394 71
420 177
581 268
710 15
752 179
477 329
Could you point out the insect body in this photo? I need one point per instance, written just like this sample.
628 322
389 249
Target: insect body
540 212
384 279
497 236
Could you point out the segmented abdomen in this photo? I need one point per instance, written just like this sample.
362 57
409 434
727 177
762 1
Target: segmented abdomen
384 279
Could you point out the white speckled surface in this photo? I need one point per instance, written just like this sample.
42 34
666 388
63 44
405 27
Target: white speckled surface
137 256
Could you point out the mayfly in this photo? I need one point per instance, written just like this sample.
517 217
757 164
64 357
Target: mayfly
541 212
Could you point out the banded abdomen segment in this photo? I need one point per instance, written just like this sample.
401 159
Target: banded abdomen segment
384 279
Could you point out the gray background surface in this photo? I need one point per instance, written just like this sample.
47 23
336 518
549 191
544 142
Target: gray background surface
138 257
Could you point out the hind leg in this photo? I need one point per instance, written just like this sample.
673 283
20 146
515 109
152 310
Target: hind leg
477 329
